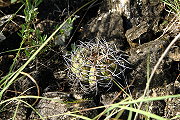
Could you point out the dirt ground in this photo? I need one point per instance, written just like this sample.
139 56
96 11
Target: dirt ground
142 31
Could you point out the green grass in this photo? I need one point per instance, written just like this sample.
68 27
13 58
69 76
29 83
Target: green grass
173 5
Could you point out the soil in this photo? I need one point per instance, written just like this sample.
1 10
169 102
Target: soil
137 29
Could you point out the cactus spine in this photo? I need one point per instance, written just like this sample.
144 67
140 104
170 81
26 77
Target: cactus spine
92 65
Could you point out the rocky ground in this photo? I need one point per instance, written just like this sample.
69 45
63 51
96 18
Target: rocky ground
142 30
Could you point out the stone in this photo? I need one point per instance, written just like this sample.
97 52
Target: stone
61 103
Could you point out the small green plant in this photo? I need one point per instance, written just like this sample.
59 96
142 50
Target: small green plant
65 31
92 65
29 34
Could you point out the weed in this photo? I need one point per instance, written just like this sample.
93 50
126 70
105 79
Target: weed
29 34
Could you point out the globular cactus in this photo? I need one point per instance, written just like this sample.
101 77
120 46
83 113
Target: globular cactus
92 65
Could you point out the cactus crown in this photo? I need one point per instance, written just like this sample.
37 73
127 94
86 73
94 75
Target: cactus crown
92 65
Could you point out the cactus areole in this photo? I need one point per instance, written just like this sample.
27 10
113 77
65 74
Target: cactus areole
92 65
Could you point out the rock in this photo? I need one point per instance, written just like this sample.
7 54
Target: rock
171 106
49 107
2 37
8 111
61 103
107 26
5 63
137 34
8 36
167 108
145 20
107 98
174 53
139 59
46 26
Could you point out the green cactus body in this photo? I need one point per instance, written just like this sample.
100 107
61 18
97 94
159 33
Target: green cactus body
92 76
78 66
94 64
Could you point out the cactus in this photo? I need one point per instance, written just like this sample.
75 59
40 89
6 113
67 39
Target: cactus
92 65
